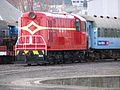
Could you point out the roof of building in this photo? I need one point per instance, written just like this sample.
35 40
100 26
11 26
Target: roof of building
3 25
68 2
8 12
57 2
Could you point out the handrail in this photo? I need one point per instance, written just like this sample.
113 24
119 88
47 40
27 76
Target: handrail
33 44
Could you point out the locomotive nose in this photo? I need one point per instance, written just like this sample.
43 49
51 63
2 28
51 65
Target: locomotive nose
32 15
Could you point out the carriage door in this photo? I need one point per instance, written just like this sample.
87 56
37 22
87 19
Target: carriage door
89 33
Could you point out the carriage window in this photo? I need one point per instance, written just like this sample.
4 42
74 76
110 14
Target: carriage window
111 33
117 34
114 33
77 24
102 32
99 34
108 32
105 32
84 26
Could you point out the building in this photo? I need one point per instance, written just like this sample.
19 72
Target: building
77 2
104 8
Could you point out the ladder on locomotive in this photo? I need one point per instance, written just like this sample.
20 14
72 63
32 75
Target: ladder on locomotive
27 43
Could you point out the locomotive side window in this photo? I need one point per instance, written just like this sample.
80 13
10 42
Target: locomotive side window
83 26
77 24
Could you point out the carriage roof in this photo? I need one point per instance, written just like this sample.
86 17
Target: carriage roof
104 22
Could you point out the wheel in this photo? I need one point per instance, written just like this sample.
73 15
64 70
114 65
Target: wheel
29 64
115 59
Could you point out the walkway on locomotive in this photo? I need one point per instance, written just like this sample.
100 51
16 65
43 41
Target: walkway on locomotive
103 32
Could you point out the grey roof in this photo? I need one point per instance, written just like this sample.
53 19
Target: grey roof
8 12
60 2
51 2
104 22
3 25
56 2
68 2
88 18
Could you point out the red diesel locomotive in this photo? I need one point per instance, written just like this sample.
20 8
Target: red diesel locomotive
51 38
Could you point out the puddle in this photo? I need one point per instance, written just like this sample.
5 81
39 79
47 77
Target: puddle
104 82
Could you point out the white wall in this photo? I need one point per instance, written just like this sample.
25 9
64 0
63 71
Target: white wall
104 8
8 12
119 8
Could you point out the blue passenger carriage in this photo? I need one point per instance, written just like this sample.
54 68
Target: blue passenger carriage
103 37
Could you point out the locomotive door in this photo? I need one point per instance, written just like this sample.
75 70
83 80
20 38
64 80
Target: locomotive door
77 33
51 32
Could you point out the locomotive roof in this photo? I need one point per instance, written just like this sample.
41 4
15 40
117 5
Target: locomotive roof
64 15
57 15
104 22
78 16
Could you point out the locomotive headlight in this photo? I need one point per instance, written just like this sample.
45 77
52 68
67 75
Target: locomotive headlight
32 15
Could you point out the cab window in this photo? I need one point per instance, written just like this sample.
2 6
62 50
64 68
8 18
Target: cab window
83 26
77 24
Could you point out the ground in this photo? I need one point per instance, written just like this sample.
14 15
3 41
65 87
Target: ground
23 77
